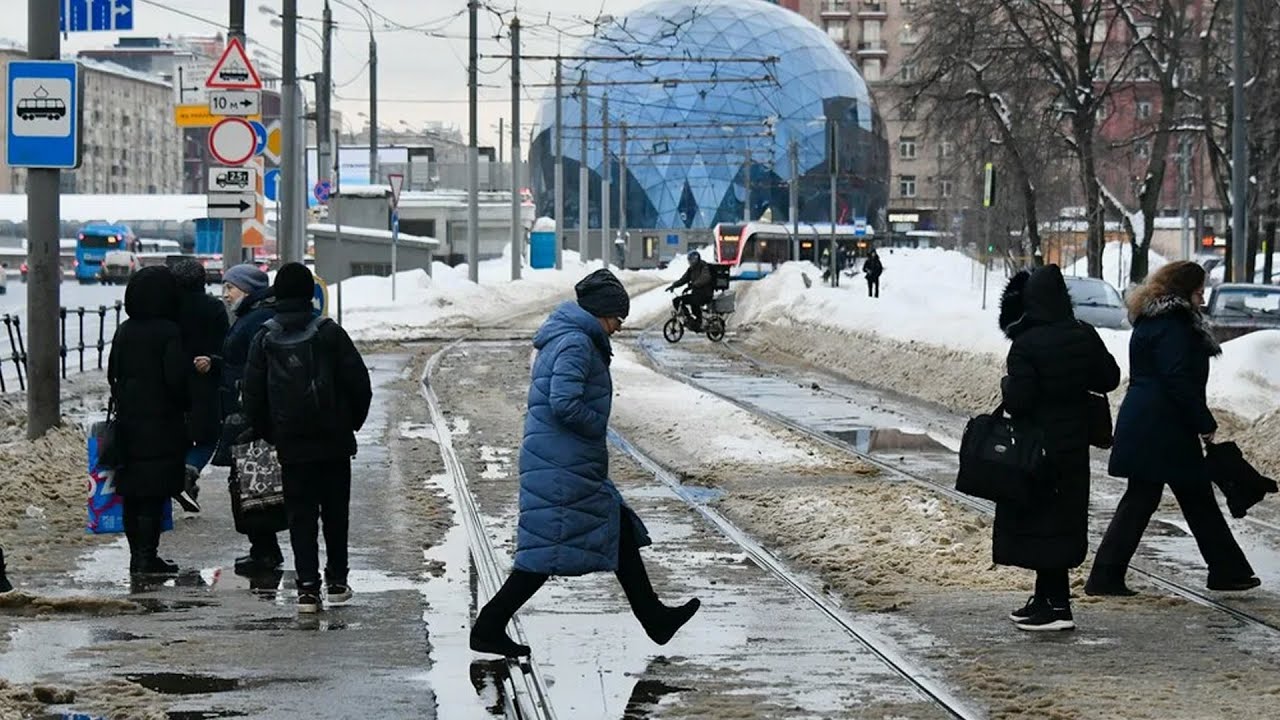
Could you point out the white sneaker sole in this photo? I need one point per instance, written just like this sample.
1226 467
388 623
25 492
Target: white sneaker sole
340 600
1016 618
1056 625
308 609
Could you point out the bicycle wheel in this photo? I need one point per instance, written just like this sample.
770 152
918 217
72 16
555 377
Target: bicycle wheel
673 330
715 329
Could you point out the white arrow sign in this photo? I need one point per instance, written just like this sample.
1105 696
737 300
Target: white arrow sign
239 103
233 179
233 206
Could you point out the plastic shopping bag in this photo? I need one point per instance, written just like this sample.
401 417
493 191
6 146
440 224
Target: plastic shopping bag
106 508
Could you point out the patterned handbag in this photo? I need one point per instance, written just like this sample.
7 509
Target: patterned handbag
258 472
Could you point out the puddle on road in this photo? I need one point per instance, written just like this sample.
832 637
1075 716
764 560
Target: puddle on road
167 683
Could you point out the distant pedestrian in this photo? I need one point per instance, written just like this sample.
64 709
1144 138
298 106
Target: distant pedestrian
5 585
573 521
1054 363
204 324
873 269
307 392
148 373
246 290
1160 428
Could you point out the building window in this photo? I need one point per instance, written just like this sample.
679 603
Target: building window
908 35
946 149
907 111
650 247
907 73
836 31
1142 149
1101 113
945 188
1142 71
907 148
907 186
871 70
1144 110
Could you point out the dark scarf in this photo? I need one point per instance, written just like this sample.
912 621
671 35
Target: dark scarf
1166 304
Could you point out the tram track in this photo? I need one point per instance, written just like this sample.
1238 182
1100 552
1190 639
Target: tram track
646 340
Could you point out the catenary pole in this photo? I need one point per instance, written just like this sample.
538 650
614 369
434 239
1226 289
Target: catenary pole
44 276
559 174
287 238
584 174
232 249
1239 154
473 151
794 199
517 229
606 168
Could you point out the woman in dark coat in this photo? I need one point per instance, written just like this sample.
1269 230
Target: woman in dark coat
148 374
247 293
203 320
1054 363
573 521
1159 430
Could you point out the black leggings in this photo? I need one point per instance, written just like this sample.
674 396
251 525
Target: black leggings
1053 585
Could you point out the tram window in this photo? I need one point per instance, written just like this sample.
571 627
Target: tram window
650 246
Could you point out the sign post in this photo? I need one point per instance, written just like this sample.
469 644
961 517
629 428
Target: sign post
397 184
233 141
988 200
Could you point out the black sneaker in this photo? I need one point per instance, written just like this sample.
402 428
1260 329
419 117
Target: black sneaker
1239 584
1026 612
187 498
339 594
1048 618
309 602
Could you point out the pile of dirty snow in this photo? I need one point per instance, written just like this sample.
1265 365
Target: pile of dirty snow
1246 378
42 495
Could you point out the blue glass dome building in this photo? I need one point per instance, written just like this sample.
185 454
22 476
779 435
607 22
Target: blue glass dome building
701 130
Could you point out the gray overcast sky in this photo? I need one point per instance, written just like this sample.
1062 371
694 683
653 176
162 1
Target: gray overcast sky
420 78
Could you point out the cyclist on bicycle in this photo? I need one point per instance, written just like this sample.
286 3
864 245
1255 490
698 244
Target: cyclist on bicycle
701 288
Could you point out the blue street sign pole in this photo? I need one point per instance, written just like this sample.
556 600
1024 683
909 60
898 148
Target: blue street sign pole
395 242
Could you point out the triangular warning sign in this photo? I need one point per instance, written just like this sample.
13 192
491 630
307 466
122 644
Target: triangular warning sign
234 71
397 183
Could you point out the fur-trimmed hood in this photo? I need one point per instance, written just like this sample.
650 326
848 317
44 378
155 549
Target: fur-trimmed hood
1034 298
1160 305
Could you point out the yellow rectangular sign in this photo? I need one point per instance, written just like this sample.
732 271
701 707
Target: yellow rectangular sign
199 116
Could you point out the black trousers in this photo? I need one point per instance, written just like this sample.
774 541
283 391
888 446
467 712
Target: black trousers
316 493
1195 497
694 301
873 286
143 519
1053 585
631 574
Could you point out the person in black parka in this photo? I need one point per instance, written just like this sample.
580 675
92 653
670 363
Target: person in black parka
148 373
246 290
1054 362
873 269
204 324
1159 430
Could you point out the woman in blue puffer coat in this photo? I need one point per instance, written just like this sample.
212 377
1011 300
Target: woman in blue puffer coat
573 521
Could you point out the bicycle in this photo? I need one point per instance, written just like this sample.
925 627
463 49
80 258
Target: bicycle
713 320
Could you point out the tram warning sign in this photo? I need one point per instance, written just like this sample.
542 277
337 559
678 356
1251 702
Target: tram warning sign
233 70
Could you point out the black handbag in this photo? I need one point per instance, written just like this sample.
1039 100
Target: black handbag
1098 409
107 435
1242 485
999 458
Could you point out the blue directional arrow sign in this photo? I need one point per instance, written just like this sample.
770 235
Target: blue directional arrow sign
260 131
271 184
91 15
43 113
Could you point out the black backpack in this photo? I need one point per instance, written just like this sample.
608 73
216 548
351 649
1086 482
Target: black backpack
999 458
301 378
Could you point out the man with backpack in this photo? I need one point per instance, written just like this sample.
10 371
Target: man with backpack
307 392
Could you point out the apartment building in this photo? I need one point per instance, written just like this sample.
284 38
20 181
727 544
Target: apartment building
925 191
130 143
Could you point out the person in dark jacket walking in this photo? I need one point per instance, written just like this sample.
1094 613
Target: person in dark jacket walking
573 521
1159 430
204 325
701 287
873 269
1054 363
148 373
307 392
247 293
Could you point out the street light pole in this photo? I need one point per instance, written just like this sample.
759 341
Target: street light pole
517 232
559 173
473 150
373 108
1239 154
324 101
43 217
286 242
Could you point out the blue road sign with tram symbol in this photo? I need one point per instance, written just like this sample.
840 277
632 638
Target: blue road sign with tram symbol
43 111
91 15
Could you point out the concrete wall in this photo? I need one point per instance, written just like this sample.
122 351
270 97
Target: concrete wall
367 256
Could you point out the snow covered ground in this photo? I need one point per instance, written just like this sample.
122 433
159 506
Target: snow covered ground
447 298
934 297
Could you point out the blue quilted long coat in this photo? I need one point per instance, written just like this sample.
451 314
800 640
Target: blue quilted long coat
570 512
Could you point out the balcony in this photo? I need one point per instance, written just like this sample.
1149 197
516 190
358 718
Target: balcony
873 48
837 9
873 11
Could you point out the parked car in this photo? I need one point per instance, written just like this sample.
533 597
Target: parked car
1237 309
1098 303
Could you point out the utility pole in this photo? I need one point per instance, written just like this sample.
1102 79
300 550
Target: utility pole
44 210
584 175
517 231
1184 161
622 189
324 100
501 131
473 153
794 200
337 226
746 188
1239 154
232 249
606 244
835 168
559 175
374 173
286 240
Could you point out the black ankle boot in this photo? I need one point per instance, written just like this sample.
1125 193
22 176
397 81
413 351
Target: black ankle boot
5 585
1106 581
667 621
488 636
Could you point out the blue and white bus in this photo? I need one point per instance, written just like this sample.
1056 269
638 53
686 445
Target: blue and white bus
94 242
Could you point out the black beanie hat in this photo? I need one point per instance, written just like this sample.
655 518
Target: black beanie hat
601 293
190 275
294 282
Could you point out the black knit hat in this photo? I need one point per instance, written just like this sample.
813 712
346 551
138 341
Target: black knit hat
601 293
294 282
190 274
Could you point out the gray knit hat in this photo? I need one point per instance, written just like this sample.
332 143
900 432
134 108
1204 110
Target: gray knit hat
247 277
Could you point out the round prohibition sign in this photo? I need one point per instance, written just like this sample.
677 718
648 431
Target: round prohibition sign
232 141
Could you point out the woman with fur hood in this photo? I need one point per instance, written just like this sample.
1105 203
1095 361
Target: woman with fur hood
1054 363
1159 430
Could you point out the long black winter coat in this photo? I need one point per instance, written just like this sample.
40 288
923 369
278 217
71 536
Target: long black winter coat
148 372
1164 411
251 313
873 267
336 437
203 320
1054 362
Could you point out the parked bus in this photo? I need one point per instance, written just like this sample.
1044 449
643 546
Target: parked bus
94 242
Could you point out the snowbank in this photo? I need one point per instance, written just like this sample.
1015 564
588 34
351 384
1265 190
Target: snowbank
447 298
1246 379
